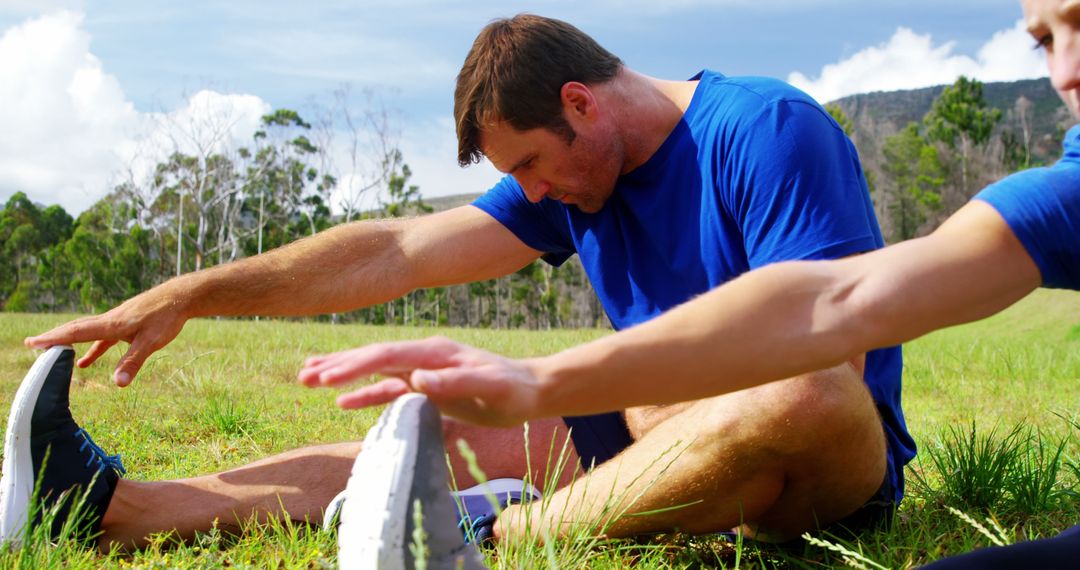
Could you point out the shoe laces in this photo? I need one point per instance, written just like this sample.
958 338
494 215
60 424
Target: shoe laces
104 460
474 528
478 530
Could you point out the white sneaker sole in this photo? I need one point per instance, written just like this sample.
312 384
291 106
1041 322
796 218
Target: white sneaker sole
17 482
372 531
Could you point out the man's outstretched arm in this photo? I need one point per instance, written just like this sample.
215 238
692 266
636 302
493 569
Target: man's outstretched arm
777 322
341 269
796 317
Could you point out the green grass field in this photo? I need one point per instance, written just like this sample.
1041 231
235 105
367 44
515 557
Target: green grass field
224 394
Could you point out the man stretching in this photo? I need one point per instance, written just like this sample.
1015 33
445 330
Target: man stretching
665 189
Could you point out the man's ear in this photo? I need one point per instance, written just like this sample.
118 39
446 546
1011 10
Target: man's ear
578 101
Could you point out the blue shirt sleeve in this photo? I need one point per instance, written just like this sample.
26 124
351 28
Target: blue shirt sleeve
1042 208
542 226
796 188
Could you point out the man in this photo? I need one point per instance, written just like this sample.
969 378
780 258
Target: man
665 189
788 318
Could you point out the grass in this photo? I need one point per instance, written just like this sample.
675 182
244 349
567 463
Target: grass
978 465
993 406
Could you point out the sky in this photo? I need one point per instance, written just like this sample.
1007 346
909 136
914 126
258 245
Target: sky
91 92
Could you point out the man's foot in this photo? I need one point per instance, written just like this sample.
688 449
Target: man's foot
40 430
475 510
399 508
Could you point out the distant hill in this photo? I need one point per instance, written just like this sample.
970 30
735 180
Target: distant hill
437 204
448 202
881 114
901 107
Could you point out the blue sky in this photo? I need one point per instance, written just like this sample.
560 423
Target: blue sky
63 61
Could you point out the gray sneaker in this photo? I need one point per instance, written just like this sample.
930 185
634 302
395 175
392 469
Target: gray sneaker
403 467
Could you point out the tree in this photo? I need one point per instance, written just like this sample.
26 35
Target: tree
916 176
960 117
841 118
848 127
402 198
26 232
198 177
370 147
198 193
283 183
1016 150
109 262
56 274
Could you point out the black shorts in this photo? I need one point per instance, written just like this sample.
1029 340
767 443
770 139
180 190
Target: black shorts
601 437
598 438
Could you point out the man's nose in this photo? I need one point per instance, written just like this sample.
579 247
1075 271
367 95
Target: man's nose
536 190
1065 63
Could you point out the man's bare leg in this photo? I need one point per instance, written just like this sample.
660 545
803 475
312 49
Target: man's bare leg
299 484
779 459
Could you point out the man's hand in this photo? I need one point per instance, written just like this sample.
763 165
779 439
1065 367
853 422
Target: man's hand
464 382
146 322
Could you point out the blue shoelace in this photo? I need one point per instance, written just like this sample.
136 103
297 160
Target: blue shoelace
96 453
471 526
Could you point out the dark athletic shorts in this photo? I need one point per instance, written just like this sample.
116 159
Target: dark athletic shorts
598 438
601 437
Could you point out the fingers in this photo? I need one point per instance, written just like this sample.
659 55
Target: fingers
313 361
86 329
382 392
95 351
455 383
81 330
131 363
391 359
468 383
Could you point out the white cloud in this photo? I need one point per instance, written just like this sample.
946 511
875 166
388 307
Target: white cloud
910 60
1009 56
71 134
69 131
209 122
63 116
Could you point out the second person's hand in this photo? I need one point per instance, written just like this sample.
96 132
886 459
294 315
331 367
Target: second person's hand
463 381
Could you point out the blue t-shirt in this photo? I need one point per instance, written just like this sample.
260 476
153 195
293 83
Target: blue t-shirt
755 173
1042 207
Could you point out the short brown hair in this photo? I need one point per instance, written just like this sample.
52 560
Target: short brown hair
515 72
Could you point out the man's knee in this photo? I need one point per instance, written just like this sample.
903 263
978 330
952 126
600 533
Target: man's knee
803 410
831 405
836 457
821 432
